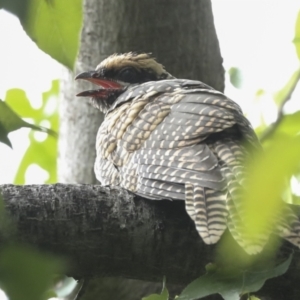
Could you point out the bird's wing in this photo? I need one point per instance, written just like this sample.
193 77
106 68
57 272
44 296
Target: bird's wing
195 146
180 139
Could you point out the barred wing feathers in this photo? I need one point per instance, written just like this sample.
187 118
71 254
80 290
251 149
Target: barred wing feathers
180 139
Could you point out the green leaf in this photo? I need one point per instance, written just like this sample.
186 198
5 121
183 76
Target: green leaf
18 101
3 136
297 35
10 121
26 274
260 92
43 153
290 125
49 294
266 182
231 286
296 200
54 25
284 93
163 296
17 7
235 76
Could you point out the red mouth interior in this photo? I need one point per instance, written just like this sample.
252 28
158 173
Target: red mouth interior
106 84
95 93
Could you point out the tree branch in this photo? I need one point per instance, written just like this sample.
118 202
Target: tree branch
280 115
110 232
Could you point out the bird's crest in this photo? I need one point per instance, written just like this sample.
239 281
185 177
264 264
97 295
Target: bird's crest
136 60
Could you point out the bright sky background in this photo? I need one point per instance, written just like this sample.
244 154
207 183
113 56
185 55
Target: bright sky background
255 36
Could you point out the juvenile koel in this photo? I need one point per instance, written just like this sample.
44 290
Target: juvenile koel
168 138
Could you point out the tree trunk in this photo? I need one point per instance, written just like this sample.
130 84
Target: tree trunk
180 34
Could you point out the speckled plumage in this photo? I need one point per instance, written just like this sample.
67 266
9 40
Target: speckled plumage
182 140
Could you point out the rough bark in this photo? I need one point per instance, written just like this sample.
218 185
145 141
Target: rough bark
102 231
108 232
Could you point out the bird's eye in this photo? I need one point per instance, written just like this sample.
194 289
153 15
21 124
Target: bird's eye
129 75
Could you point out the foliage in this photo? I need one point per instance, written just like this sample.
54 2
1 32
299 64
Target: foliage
48 147
235 77
163 296
231 285
297 35
285 92
10 121
264 192
54 25
25 273
289 126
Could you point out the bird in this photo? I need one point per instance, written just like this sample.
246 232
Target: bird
178 139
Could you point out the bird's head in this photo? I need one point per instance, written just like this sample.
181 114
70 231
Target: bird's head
119 71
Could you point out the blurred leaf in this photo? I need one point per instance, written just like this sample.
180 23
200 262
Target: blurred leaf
42 153
260 129
17 7
289 125
54 25
260 92
296 200
297 35
17 99
10 121
163 296
231 286
266 183
3 136
235 76
26 274
49 294
287 194
289 87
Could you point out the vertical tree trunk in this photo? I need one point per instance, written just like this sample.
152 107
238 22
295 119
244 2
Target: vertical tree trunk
180 34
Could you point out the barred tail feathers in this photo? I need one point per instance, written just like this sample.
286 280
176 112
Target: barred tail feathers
207 208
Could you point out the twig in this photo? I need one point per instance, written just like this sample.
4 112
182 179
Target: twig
280 116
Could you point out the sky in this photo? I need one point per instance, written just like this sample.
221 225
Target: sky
255 36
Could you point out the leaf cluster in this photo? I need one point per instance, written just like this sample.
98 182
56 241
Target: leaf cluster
54 25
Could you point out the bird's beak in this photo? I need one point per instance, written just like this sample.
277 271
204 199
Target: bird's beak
106 84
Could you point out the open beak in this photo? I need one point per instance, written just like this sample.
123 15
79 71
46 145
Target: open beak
107 86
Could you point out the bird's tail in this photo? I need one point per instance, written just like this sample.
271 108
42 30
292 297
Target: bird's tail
284 222
288 226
